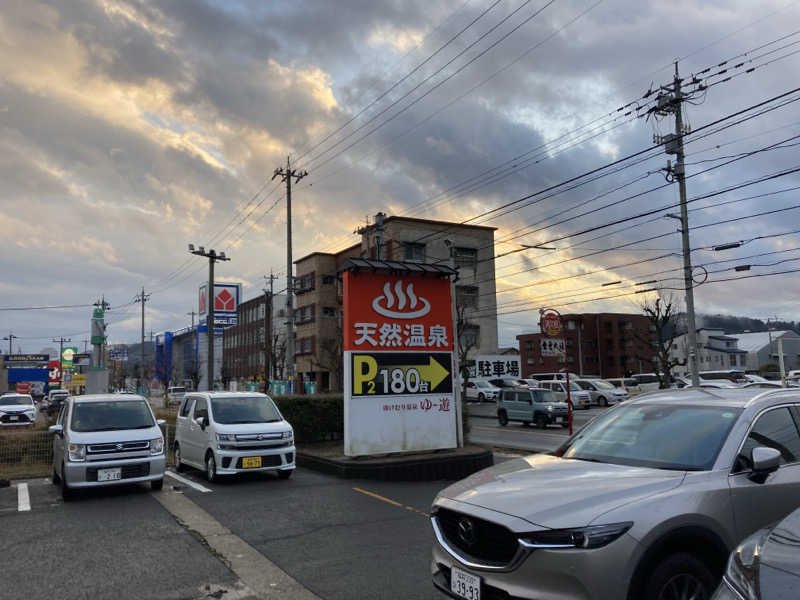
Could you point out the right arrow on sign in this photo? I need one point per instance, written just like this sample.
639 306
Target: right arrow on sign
434 373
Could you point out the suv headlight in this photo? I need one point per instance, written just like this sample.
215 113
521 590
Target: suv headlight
550 407
77 452
226 437
594 536
157 446
288 435
742 572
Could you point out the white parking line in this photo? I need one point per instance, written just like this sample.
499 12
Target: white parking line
189 482
23 498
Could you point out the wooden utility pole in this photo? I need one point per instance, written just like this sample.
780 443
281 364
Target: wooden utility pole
268 294
212 257
143 298
286 176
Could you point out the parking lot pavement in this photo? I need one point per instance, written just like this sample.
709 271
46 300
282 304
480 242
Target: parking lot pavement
487 431
111 543
341 539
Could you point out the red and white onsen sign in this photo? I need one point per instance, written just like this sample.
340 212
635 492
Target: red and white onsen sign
551 323
398 363
53 371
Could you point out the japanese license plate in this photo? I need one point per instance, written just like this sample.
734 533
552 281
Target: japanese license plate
465 585
109 474
559 419
13 418
251 462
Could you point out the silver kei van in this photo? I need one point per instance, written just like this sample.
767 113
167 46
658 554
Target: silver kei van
105 439
223 433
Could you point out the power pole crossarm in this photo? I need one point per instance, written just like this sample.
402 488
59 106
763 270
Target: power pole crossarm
286 176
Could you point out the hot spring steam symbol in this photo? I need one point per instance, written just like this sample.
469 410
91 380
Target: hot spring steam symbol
383 304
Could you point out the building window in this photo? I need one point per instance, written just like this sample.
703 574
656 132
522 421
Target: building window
328 311
470 335
467 296
305 283
305 314
571 325
413 251
529 346
466 257
328 279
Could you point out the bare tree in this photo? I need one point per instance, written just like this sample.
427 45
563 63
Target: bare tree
278 351
330 357
663 316
466 340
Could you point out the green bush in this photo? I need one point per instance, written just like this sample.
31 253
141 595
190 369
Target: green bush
315 418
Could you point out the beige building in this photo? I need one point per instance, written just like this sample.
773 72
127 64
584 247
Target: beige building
470 248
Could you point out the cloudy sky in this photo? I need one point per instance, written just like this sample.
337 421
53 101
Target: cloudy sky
131 128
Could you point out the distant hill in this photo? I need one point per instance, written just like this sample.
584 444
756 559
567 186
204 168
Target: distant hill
732 324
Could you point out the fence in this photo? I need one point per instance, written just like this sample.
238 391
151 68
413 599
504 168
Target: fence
25 454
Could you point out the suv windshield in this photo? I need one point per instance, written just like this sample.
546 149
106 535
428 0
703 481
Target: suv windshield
244 409
15 400
111 415
679 437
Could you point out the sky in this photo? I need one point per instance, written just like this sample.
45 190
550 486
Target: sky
129 129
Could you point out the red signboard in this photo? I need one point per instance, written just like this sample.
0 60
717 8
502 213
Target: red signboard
396 312
23 387
201 305
54 371
551 323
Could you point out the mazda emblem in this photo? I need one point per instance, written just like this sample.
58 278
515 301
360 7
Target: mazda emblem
466 531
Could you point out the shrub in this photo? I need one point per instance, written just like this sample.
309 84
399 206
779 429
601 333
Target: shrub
315 418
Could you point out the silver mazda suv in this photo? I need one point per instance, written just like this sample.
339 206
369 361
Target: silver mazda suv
645 502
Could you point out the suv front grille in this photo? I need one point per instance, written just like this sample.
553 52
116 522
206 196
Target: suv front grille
21 418
490 542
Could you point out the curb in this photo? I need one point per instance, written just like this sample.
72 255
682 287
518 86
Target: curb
413 469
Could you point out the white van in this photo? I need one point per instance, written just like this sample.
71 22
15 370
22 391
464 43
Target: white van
560 376
648 382
223 433
175 394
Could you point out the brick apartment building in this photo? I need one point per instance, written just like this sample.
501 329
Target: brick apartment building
318 348
604 344
243 356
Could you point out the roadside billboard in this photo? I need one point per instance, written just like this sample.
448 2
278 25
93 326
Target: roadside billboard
226 302
67 354
497 365
398 363
54 372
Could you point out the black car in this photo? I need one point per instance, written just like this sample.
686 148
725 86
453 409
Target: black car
765 566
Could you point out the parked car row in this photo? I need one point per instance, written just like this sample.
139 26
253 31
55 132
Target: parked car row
658 491
17 409
108 439
583 392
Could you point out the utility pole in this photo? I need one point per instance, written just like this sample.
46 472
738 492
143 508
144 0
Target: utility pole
212 257
192 313
11 337
61 341
286 176
143 298
268 294
85 346
673 144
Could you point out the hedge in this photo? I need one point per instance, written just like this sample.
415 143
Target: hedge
314 418
320 417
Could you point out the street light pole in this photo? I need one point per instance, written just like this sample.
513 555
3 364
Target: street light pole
212 257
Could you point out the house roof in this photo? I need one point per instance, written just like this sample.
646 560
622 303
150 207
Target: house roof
726 350
753 342
396 266
725 338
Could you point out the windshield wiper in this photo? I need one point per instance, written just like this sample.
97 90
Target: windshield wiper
584 459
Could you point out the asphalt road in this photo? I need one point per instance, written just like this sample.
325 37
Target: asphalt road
330 538
485 430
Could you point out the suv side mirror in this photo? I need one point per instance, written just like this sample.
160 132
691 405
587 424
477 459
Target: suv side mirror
57 429
765 461
202 422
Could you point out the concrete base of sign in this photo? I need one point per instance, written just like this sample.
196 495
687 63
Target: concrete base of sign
419 466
